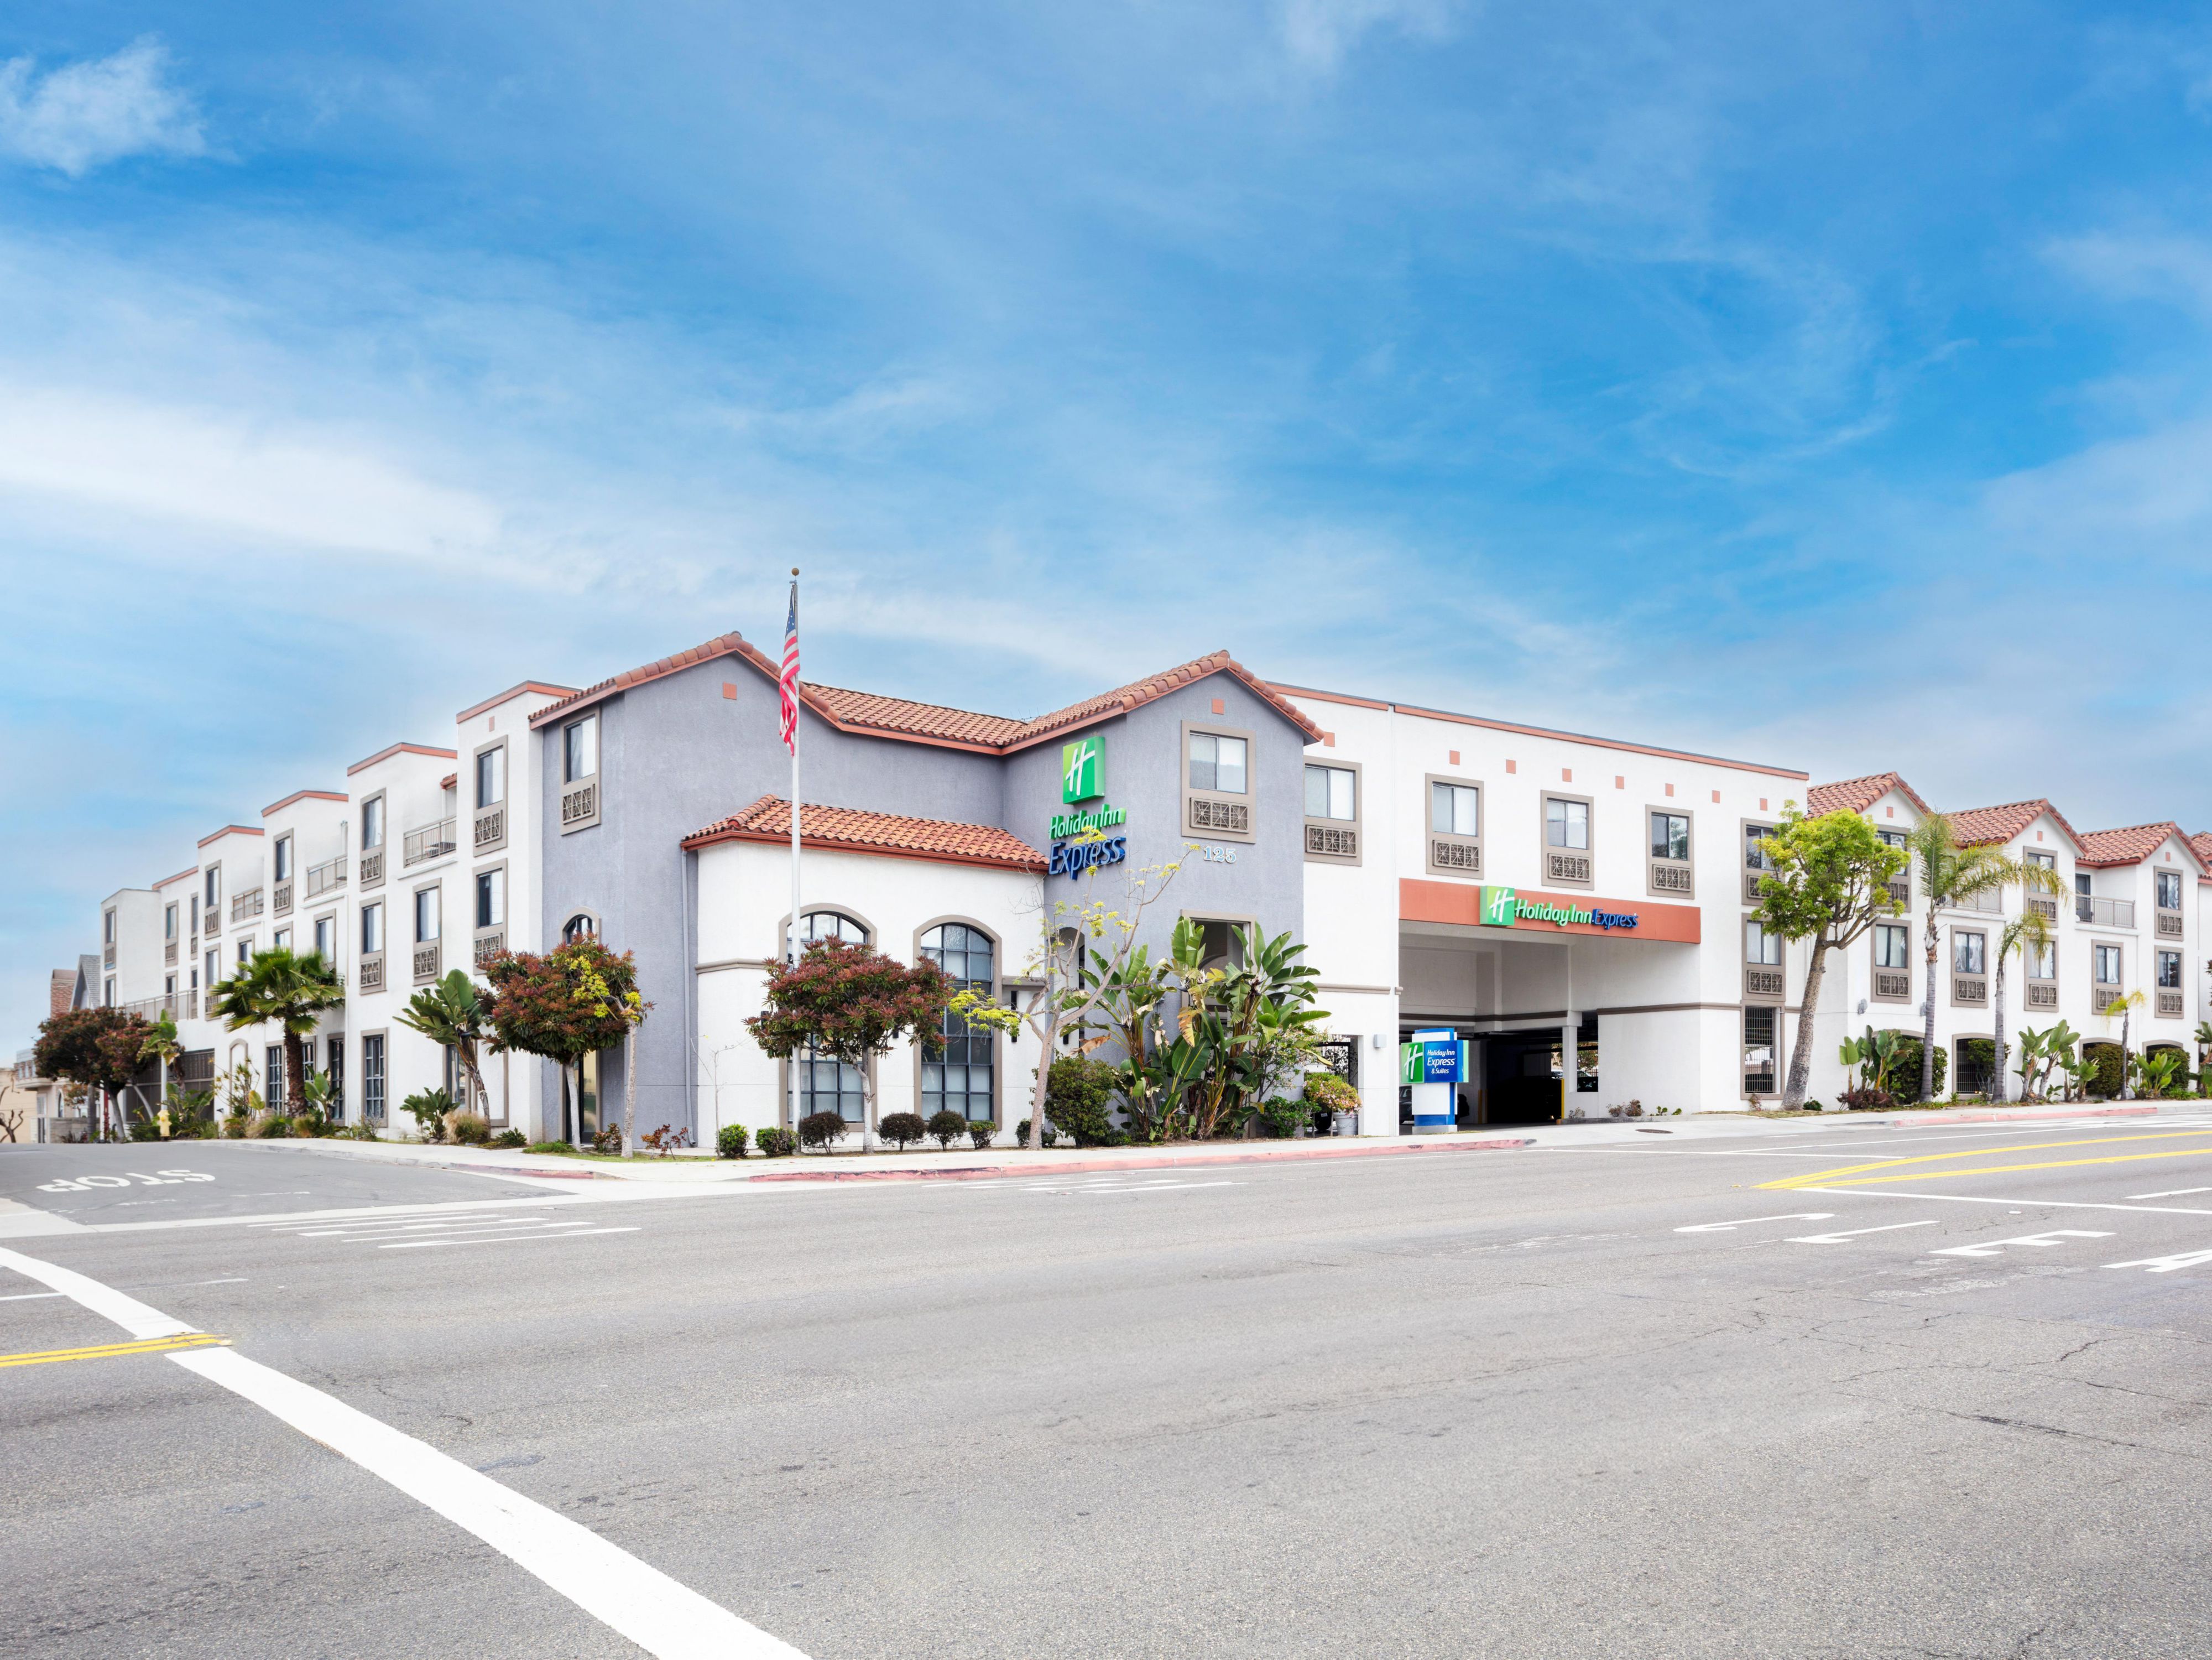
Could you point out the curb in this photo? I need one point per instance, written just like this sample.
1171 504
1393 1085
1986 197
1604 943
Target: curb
1092 1166
312 1144
2025 1115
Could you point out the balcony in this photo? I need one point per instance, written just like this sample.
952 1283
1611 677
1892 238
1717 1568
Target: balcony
2169 924
2042 994
2100 998
489 945
426 963
152 1008
372 867
2103 913
1989 904
244 906
321 878
2169 1005
1972 990
371 971
1894 985
430 841
489 831
280 897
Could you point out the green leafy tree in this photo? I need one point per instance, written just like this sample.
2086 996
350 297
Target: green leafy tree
1950 875
278 987
453 1015
1828 883
852 1004
2029 931
162 1047
96 1049
540 1004
2123 1008
630 1008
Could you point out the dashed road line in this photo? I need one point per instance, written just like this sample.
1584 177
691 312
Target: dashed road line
1838 1238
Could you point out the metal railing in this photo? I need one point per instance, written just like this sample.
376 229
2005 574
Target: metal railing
371 964
2100 998
1668 878
430 841
1892 985
1901 891
245 905
151 1008
583 803
321 878
372 866
489 945
1990 903
2103 913
1566 867
2043 906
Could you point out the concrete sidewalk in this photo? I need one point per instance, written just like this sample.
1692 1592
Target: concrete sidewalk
971 1164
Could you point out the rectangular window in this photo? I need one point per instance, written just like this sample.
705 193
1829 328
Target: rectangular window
1890 838
1218 764
196 913
213 888
491 898
491 777
1454 810
282 940
107 928
334 1067
273 1077
1566 824
372 1079
1761 946
372 823
2169 890
1332 793
1966 950
2045 860
245 951
214 969
326 941
581 749
110 999
2107 962
1758 1045
1670 836
283 857
2043 961
1891 945
2081 883
426 915
372 928
2169 968
169 924
1755 854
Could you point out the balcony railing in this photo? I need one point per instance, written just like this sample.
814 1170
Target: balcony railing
1901 891
1668 878
1990 903
2169 925
2100 998
1969 988
1762 981
2103 913
245 905
2042 994
1892 985
490 828
152 1008
2169 1003
430 841
1566 867
1750 886
1465 857
321 878
1332 841
2043 906
581 805
280 898
426 963
371 964
191 1006
168 953
372 866
489 945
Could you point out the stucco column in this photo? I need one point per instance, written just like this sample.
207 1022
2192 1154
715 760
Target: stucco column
1569 1049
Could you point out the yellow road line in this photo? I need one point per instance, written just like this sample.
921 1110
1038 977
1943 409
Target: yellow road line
1822 1179
110 1351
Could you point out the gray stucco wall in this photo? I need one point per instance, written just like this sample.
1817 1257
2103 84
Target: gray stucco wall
676 755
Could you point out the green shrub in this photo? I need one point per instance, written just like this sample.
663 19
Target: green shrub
1078 1099
269 1127
946 1127
822 1130
607 1140
235 1125
562 1147
1277 1118
903 1127
363 1132
429 1108
1904 1069
2111 1068
981 1132
509 1139
731 1142
1327 1095
469 1130
774 1141
1021 1133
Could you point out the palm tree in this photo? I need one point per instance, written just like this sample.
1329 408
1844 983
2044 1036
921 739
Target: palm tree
289 989
2124 1005
452 1013
1949 875
162 1045
2029 931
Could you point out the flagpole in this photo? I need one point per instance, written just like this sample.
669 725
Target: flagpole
791 940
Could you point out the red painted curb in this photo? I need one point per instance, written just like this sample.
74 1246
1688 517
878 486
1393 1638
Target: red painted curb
1091 1166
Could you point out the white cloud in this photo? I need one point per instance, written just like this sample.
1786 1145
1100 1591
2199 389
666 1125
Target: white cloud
1319 32
74 117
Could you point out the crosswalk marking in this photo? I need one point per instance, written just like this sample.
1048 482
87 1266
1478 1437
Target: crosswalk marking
410 1232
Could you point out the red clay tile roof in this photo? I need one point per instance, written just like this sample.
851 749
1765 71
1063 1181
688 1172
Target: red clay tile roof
1857 794
448 780
302 795
2202 841
386 753
1976 826
933 723
2130 845
516 691
850 830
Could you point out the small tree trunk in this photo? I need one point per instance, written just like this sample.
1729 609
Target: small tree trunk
1043 1077
296 1072
867 1107
1998 1089
1800 1052
1928 1010
2127 1083
629 1094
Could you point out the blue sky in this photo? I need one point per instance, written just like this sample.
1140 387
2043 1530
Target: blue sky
1823 385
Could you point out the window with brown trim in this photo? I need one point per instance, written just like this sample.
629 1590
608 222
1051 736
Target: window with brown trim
1332 826
1452 843
1892 962
1566 832
1219 800
1668 871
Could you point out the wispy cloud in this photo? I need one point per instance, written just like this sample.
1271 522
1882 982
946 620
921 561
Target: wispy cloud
82 115
1318 33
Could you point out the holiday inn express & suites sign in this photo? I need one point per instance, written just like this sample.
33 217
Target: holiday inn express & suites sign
1504 907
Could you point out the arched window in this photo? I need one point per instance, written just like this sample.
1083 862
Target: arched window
827 1086
582 926
960 1077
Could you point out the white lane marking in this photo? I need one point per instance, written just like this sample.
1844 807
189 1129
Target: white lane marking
661 1615
234 1280
2171 1193
28 1295
2013 1204
502 1238
1794 1216
1838 1238
2187 1259
1996 1247
1130 1187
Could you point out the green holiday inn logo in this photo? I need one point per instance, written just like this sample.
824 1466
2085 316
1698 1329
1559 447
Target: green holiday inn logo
1080 764
1498 907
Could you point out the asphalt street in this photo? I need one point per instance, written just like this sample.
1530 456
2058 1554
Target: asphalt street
1939 1392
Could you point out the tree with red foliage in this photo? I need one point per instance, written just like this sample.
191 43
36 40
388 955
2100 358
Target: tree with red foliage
851 1004
564 1005
95 1049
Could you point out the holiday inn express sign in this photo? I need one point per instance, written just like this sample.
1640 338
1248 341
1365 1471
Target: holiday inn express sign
1504 907
1082 779
1491 905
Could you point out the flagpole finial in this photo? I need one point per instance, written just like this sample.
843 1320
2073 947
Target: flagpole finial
794 570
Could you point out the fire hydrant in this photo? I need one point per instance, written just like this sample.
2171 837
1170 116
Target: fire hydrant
164 1117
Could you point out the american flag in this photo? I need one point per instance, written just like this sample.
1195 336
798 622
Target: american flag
787 682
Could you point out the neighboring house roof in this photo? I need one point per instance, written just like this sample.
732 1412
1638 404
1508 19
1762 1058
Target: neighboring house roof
233 830
303 795
189 870
873 715
85 993
386 753
516 691
890 835
62 992
2201 842
1973 827
2130 845
1857 794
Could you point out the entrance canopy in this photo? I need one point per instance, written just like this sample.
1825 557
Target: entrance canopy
1531 910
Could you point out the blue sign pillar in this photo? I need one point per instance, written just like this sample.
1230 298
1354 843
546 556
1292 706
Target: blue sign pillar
1435 1064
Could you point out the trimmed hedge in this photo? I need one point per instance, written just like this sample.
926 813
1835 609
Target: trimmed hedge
731 1142
823 1130
946 1127
981 1130
1077 1101
774 1141
903 1127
